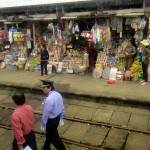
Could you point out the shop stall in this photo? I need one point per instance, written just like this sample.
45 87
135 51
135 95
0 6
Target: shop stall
15 48
68 47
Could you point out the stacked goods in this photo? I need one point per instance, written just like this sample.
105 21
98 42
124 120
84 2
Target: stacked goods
136 69
18 36
120 75
111 62
21 63
120 63
1 56
101 58
32 64
3 35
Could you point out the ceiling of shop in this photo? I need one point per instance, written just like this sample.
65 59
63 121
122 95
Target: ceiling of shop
72 8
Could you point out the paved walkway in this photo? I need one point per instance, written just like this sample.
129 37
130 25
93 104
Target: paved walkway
126 91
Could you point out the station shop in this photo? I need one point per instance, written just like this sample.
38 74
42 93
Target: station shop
66 41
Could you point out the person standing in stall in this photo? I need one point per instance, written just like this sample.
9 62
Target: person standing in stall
44 60
144 52
92 54
76 39
129 54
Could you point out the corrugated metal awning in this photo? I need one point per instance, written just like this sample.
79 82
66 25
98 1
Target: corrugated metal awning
49 6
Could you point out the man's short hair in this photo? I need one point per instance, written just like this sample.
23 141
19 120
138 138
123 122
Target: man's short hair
18 98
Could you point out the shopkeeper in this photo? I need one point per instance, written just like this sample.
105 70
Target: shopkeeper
129 54
76 39
92 53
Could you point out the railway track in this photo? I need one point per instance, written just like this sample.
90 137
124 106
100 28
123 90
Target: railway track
91 128
7 125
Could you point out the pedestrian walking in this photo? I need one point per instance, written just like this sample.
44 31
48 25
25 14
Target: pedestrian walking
44 60
53 112
144 52
22 121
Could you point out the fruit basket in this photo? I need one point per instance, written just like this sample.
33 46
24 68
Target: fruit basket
136 69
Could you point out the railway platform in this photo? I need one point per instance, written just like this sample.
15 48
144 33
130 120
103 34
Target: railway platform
112 126
81 86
